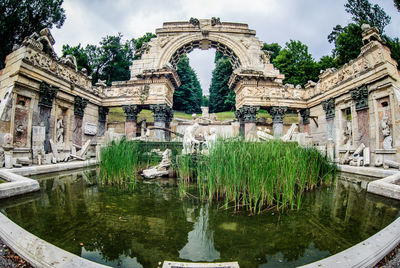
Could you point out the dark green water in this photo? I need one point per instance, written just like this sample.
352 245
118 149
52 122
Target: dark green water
153 224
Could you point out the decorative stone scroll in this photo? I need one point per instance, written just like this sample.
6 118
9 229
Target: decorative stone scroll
46 95
360 96
162 112
131 111
80 105
277 113
329 108
305 115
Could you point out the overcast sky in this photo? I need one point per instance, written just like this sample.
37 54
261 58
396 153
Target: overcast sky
309 21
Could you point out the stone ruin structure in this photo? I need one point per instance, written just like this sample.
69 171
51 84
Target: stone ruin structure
48 106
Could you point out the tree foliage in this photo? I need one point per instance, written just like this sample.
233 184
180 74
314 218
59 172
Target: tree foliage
296 63
20 18
348 44
394 45
397 4
275 48
221 97
188 96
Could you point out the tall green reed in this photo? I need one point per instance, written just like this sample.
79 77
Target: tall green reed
255 176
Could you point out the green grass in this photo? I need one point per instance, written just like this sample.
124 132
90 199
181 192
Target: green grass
255 176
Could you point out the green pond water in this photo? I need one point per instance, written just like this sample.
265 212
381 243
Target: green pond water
153 224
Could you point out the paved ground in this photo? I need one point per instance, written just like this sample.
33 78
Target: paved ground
392 260
9 259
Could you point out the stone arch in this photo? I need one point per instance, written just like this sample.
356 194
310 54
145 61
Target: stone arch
187 42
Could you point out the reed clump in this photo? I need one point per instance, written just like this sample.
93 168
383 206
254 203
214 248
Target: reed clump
121 161
255 176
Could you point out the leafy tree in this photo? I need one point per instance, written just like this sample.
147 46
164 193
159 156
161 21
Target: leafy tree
397 4
296 63
20 18
188 96
348 44
138 43
394 45
326 62
362 11
221 97
82 58
275 48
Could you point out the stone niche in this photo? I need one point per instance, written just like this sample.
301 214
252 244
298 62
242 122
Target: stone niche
385 138
21 121
62 126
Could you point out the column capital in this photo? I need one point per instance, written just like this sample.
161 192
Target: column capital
162 112
47 94
80 105
247 113
305 114
103 111
329 108
360 97
277 113
131 111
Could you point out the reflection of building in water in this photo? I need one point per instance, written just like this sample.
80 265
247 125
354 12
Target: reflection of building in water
200 245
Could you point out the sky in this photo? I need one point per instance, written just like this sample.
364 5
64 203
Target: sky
309 21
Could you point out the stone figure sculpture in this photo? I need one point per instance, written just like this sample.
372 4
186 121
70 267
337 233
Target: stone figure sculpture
161 169
189 140
60 131
211 139
347 133
387 138
263 134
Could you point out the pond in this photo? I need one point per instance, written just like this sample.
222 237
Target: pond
153 224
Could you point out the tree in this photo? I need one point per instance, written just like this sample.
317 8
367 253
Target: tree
138 43
21 18
348 44
296 63
394 45
221 97
397 4
275 48
363 12
326 62
188 96
82 58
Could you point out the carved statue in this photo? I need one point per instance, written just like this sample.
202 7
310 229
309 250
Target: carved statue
387 138
215 21
211 139
194 22
189 140
161 169
347 133
60 131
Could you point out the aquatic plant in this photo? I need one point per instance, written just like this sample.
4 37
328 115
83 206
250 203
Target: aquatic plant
255 176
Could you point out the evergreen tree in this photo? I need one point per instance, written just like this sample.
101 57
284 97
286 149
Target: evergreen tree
397 4
188 96
296 63
221 97
21 18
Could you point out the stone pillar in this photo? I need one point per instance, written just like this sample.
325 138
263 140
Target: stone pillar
249 113
360 97
46 97
103 111
239 116
131 112
277 113
79 110
305 124
329 108
163 114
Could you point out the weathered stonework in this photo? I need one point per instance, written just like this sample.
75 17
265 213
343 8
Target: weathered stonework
329 108
360 97
80 105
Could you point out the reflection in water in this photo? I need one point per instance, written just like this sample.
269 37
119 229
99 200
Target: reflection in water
200 245
153 224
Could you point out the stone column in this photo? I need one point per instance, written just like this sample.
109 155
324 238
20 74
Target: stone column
305 124
131 112
103 111
249 117
239 116
360 97
329 108
277 113
162 115
46 97
79 110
